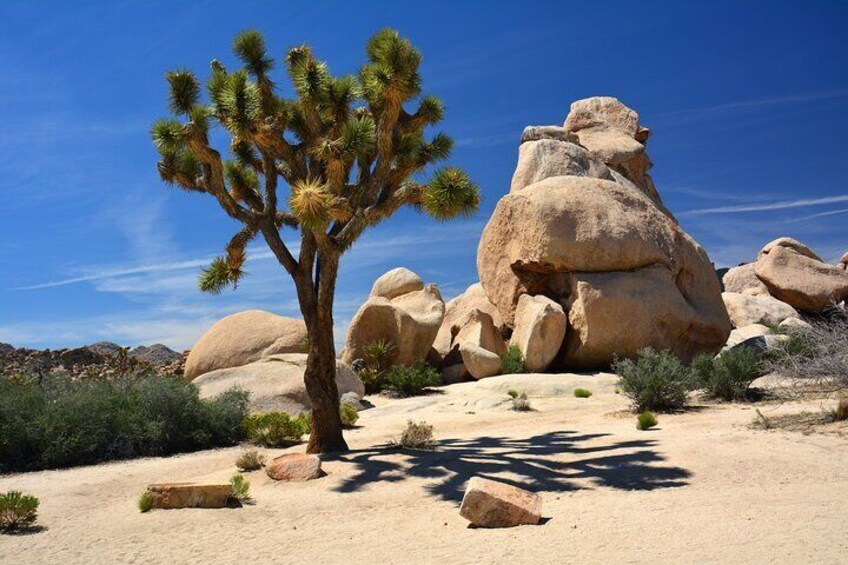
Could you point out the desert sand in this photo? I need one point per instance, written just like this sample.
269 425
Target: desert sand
702 488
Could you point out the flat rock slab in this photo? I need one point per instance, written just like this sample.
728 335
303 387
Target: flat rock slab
492 504
189 495
294 467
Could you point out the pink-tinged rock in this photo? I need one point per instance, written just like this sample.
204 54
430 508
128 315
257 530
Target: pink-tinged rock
189 495
492 504
294 467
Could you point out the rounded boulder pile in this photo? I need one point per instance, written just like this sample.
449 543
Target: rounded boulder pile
584 226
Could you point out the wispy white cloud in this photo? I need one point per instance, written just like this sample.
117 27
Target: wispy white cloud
754 103
166 307
781 205
819 215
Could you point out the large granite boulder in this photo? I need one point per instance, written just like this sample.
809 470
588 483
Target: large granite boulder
545 158
275 383
746 309
396 282
540 325
245 337
409 319
606 250
743 280
804 282
456 312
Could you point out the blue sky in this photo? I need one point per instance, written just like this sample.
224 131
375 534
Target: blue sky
748 103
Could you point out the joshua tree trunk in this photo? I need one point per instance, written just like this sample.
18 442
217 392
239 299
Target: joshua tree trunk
320 376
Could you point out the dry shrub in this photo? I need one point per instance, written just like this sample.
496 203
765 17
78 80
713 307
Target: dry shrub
815 359
417 436
250 460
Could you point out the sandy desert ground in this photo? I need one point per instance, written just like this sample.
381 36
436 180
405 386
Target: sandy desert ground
703 488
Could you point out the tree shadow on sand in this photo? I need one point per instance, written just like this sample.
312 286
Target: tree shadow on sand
553 462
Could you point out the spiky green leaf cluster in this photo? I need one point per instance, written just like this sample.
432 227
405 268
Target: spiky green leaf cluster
218 276
184 91
392 72
249 46
451 193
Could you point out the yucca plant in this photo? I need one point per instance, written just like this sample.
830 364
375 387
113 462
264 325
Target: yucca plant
347 148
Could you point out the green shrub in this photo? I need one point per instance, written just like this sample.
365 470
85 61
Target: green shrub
520 403
18 511
275 429
348 414
646 420
582 393
513 361
250 460
58 422
239 488
729 375
512 393
417 436
412 381
145 502
655 381
378 358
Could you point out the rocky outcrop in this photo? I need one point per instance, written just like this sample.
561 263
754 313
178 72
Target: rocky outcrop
843 262
802 281
746 309
605 249
493 504
540 325
100 360
275 383
243 338
410 319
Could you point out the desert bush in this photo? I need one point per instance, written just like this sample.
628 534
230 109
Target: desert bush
239 488
513 361
378 358
816 357
275 429
250 460
348 414
18 511
145 502
520 402
729 375
654 381
646 420
58 422
417 436
582 393
412 381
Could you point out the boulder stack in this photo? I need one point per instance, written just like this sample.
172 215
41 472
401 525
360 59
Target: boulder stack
401 310
789 272
584 226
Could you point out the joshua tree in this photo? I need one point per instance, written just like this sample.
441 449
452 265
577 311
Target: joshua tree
347 149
